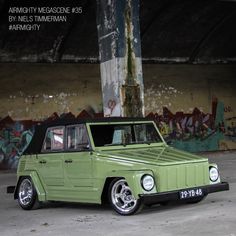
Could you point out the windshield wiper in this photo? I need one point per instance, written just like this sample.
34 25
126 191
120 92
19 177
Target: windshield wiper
144 142
115 144
129 143
140 142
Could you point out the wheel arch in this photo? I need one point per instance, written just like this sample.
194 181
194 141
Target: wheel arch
37 184
133 179
104 195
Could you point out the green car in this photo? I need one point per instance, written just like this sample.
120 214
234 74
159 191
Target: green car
125 162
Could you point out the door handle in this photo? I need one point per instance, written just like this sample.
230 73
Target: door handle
42 162
68 161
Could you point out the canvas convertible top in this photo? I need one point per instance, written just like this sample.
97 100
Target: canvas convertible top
35 145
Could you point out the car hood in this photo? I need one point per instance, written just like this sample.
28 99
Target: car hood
164 155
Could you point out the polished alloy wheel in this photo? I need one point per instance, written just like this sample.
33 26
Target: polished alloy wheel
25 192
122 197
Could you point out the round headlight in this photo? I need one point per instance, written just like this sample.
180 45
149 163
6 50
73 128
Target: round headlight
213 173
147 182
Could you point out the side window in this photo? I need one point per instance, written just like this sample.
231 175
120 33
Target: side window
77 138
54 140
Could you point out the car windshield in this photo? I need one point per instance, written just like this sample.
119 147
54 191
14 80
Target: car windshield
124 134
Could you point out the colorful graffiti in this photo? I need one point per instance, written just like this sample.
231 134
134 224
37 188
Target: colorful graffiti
14 138
229 141
195 132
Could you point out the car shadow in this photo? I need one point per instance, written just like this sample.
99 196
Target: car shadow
74 205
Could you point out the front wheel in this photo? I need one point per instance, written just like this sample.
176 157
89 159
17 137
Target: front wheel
27 195
121 198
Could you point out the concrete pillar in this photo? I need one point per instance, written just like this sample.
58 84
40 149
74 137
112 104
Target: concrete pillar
120 57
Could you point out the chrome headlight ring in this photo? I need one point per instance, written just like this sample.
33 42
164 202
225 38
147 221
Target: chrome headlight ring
213 173
147 182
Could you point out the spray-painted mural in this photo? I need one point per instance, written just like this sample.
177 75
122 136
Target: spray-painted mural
195 132
14 138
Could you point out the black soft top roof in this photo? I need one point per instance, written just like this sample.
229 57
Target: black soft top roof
35 145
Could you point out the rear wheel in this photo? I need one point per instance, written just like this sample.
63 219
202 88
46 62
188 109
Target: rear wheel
27 195
121 198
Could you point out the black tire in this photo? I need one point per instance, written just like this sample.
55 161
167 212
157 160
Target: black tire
121 198
27 194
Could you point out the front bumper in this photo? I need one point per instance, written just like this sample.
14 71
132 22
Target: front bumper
175 196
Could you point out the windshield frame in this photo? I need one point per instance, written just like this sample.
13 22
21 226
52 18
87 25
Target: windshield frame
130 145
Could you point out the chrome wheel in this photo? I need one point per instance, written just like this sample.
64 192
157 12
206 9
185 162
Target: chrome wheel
122 198
25 192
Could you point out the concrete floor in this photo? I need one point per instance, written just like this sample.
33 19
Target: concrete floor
216 215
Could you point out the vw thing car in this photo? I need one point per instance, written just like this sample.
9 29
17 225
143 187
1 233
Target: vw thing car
125 162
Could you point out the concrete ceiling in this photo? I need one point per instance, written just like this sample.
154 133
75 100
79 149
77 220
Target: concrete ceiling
172 31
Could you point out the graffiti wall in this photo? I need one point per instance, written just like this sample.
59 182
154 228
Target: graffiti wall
194 132
14 138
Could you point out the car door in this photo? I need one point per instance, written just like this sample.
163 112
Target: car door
78 163
51 163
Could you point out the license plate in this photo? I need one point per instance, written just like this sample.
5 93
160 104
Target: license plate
190 193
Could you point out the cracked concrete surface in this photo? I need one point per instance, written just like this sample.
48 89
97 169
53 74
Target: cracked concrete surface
213 216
